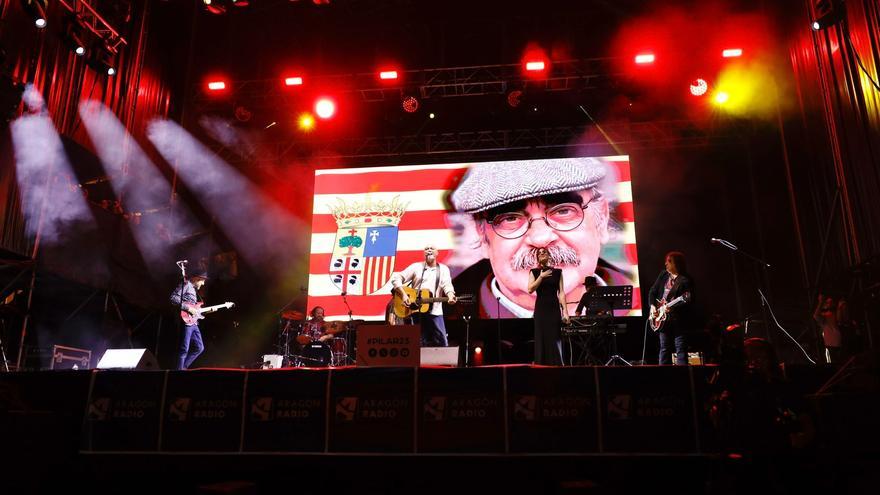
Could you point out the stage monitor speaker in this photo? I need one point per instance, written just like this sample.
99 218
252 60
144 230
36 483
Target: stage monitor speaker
128 359
439 356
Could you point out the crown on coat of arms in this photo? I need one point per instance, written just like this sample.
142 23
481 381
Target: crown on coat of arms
368 213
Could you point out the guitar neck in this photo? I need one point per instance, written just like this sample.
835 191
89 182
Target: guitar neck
211 309
430 300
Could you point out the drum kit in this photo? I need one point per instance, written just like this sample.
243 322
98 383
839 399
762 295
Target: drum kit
315 343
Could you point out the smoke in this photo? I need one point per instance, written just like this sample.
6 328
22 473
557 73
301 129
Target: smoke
51 199
259 228
232 138
144 191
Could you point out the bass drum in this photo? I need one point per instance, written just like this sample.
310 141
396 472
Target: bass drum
316 354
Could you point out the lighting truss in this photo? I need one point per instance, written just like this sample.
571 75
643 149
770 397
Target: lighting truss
93 21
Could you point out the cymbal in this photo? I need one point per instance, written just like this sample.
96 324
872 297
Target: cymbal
334 327
293 315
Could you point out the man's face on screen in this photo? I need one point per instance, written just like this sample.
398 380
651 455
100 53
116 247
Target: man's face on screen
575 251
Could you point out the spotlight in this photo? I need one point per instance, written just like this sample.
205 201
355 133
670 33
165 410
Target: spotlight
732 52
535 66
699 87
721 97
72 35
388 75
37 10
514 98
431 115
305 122
410 104
644 58
325 108
293 81
216 85
828 13
101 60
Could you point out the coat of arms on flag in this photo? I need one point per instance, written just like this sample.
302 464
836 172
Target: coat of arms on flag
366 244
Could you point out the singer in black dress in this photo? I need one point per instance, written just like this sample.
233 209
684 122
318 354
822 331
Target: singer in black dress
550 310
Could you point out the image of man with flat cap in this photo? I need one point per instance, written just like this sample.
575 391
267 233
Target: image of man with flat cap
522 206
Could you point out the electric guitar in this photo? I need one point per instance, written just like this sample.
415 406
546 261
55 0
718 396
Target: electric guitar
420 301
659 319
193 319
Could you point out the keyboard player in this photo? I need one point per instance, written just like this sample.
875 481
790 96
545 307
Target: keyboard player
583 307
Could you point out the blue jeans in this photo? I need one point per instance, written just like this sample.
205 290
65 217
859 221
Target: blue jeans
190 347
433 331
669 335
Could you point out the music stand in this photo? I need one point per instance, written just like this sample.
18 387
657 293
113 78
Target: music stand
606 300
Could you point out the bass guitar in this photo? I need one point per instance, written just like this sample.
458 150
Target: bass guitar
199 312
657 320
420 301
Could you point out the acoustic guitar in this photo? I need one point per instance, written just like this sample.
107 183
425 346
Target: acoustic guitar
420 301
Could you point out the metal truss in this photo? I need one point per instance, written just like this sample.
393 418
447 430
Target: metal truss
619 137
90 19
428 83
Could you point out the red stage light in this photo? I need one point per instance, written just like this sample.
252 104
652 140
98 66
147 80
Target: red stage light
699 87
645 58
410 104
293 81
388 74
216 85
732 52
535 65
325 108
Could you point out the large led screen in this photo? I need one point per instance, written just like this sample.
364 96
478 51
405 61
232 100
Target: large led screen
486 219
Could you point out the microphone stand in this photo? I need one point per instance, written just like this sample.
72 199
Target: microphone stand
765 303
348 332
467 338
182 266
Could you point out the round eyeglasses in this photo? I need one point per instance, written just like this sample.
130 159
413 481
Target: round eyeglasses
562 217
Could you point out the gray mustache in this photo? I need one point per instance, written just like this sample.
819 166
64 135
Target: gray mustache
560 256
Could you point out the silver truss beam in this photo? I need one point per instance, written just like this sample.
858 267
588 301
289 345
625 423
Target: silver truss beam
620 137
92 20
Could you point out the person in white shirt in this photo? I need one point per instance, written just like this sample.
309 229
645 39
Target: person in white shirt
434 276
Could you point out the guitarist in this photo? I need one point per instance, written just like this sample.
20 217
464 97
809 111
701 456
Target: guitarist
186 298
673 282
435 277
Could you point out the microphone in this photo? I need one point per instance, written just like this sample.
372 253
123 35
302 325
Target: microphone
724 243
182 262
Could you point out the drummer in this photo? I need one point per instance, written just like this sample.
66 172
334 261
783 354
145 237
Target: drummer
316 329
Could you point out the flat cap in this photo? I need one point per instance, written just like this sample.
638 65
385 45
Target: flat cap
487 185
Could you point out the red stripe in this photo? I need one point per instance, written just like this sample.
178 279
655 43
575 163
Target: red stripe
413 220
360 305
409 180
624 212
629 250
622 169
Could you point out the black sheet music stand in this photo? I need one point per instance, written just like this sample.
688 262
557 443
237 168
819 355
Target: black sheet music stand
604 300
